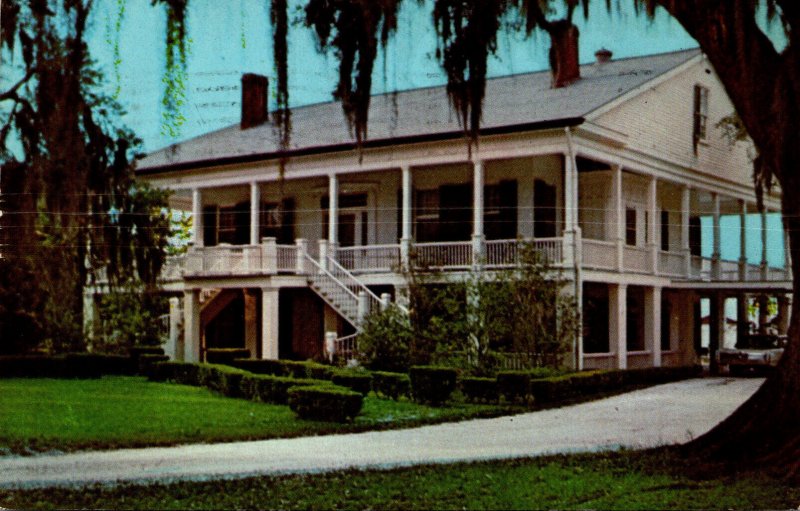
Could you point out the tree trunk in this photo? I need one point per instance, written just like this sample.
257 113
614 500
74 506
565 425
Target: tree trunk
765 430
764 86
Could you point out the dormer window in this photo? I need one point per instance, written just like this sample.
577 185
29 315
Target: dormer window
700 114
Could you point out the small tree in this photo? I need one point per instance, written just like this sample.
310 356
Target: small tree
473 322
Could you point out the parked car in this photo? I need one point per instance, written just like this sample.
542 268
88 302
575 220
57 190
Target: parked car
752 353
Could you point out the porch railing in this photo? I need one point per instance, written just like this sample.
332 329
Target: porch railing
599 254
444 254
270 258
672 264
370 258
505 253
637 259
286 258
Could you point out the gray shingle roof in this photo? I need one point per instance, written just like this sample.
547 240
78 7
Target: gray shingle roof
518 101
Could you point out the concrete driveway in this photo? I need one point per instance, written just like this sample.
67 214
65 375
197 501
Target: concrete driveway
665 414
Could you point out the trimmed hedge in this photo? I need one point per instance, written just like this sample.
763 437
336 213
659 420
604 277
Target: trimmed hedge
432 384
226 355
291 368
273 389
306 369
359 381
578 385
479 390
391 385
70 365
514 386
325 403
259 366
184 373
229 381
136 351
221 378
146 360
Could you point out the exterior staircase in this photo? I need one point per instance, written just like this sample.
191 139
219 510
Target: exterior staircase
212 302
347 295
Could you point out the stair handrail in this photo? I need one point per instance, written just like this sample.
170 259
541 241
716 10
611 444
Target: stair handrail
331 276
360 285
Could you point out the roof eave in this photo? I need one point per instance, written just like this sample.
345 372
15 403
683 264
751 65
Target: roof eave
369 144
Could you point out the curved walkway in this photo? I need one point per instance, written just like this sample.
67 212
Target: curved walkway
665 414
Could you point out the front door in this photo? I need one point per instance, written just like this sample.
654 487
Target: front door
347 230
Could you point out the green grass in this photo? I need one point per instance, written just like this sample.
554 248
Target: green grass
115 412
650 480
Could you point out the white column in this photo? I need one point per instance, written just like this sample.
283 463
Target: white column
173 348
652 323
570 210
269 323
405 218
619 214
255 206
617 322
90 313
570 199
715 255
191 325
743 240
477 211
197 217
652 220
686 206
302 250
333 210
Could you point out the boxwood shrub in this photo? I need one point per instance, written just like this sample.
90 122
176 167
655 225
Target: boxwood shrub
141 349
325 403
432 384
306 369
184 373
359 381
225 355
260 366
391 385
146 360
273 389
479 390
514 386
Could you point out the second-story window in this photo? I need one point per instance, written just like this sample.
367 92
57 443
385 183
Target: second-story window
630 226
700 114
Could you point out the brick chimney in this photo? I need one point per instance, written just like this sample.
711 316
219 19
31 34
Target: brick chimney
564 53
254 100
603 55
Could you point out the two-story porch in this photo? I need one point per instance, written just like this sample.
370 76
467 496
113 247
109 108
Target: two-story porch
630 242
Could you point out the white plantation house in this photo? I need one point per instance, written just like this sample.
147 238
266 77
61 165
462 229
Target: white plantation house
608 176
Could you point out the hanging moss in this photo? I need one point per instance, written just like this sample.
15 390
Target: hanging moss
354 29
467 31
175 67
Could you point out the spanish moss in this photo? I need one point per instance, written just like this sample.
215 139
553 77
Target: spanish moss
175 67
467 31
354 29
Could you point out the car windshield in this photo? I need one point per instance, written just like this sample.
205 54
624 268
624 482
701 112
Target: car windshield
760 342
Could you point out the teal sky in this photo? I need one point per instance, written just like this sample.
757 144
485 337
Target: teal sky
233 37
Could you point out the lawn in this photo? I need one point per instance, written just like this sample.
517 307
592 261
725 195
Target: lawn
116 411
659 479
